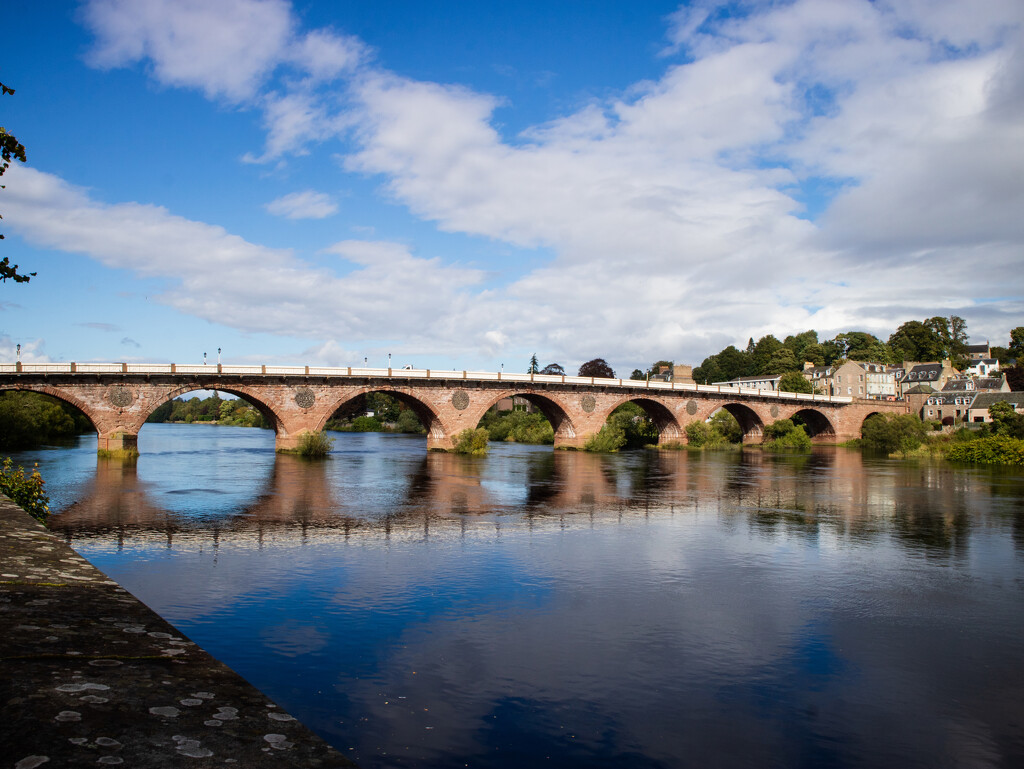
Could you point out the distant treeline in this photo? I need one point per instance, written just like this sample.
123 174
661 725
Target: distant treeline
929 340
236 412
30 419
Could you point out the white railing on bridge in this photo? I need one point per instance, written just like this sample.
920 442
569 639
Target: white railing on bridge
403 373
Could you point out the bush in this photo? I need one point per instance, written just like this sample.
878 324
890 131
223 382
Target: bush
28 493
408 422
996 449
893 433
610 438
471 442
783 435
366 424
518 426
315 445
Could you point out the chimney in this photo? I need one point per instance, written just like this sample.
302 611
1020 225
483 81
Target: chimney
682 374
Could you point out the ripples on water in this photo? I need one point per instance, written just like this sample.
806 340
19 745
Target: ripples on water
647 609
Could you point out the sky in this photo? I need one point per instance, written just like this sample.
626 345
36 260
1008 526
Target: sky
463 185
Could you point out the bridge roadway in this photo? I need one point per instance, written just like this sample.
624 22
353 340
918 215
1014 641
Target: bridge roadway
118 397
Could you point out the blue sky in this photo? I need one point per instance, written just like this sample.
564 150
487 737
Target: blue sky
465 184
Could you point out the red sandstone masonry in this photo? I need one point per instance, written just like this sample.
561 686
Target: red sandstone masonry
119 403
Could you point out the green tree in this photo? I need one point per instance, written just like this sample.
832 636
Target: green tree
782 361
10 149
760 360
785 435
795 382
893 433
534 365
799 343
553 369
1006 421
916 341
638 374
1016 348
597 367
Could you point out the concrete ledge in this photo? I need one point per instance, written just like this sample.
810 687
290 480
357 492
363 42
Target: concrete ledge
90 676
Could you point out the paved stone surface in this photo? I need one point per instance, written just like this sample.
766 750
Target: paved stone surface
90 676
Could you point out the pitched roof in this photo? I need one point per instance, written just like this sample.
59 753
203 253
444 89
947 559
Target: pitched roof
984 400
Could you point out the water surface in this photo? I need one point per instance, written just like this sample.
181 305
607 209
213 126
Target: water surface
532 607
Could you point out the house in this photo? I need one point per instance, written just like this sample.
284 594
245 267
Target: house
765 382
933 374
948 407
983 367
678 373
976 384
979 351
978 410
849 378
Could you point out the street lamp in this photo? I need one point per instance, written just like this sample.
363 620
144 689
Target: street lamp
389 361
204 358
19 353
218 356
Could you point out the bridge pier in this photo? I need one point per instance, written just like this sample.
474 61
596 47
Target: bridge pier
118 443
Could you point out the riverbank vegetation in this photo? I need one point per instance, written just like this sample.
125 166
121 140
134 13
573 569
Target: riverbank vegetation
627 427
28 420
472 441
236 412
722 431
375 413
785 435
26 491
518 427
315 445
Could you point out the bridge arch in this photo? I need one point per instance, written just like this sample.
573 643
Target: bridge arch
669 429
423 411
260 404
95 418
816 424
750 422
555 412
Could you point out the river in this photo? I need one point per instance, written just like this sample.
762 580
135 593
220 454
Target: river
533 607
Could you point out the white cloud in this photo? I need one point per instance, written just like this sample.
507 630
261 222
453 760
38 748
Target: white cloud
307 204
672 212
389 294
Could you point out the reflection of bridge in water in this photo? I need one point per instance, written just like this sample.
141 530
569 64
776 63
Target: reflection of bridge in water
118 397
449 495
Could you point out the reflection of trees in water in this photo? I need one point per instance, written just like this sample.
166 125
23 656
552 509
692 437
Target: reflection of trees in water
930 507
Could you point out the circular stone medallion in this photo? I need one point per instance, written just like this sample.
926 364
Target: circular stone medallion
121 397
588 403
305 398
775 412
460 399
691 407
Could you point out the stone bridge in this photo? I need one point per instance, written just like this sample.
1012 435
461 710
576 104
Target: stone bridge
118 397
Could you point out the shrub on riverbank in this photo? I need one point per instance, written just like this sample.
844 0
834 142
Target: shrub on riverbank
893 433
315 445
471 441
610 438
784 435
991 450
27 491
722 431
518 426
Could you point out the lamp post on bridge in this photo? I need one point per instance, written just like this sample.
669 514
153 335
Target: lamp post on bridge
204 358
19 353
218 356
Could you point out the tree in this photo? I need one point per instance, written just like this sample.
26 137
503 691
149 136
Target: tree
597 367
917 341
892 433
1016 348
795 382
534 366
765 348
10 149
553 369
1006 421
782 361
638 374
